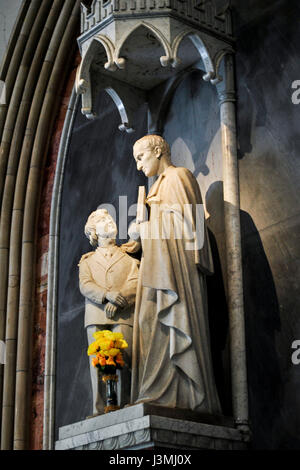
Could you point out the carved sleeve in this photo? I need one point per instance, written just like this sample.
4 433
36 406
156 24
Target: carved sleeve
88 286
129 289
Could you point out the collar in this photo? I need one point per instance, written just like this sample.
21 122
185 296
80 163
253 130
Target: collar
154 188
117 254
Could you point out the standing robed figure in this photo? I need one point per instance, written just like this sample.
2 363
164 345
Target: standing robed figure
171 364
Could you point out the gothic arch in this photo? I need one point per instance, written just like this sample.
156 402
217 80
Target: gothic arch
210 55
83 79
164 60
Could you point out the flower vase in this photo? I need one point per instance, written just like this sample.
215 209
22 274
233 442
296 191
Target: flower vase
111 393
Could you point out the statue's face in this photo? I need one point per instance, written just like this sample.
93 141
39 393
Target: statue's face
106 227
146 158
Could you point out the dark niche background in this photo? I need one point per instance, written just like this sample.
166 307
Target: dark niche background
99 168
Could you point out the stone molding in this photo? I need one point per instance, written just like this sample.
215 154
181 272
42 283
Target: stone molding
142 426
111 41
199 12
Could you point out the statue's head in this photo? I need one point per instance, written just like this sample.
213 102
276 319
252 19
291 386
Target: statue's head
100 224
148 153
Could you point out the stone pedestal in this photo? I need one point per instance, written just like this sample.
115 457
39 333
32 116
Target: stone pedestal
145 426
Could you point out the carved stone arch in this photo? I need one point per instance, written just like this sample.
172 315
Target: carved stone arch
210 53
164 60
83 79
176 44
126 124
126 98
204 53
109 49
218 60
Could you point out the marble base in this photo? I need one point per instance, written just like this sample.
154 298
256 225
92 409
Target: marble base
147 426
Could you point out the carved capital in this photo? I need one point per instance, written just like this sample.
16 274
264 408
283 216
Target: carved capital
227 96
226 88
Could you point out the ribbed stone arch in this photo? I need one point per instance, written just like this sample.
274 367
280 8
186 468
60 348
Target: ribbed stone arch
51 325
35 69
84 85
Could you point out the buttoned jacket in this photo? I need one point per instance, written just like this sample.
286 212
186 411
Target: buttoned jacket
98 275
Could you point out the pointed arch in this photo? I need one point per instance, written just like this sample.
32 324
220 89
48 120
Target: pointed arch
98 42
164 60
83 81
210 57
202 49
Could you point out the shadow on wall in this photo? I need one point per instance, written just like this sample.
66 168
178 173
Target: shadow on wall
192 122
262 322
267 53
217 303
267 62
218 325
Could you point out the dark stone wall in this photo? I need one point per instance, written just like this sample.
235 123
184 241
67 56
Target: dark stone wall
99 168
267 62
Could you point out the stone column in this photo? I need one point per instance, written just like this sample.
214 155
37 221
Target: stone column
226 91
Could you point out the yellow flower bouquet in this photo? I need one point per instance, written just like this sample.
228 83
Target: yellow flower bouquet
107 351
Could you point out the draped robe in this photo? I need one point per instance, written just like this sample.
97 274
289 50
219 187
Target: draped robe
172 363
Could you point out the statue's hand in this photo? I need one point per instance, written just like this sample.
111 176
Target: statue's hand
117 299
110 310
134 231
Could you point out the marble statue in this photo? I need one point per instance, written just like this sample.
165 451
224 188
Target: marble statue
171 362
108 281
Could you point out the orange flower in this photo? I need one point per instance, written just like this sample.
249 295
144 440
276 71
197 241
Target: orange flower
120 360
110 361
95 361
102 361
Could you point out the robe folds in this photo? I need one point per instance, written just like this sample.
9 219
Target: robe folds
172 363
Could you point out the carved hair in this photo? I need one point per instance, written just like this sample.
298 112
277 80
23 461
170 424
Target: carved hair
156 141
90 226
